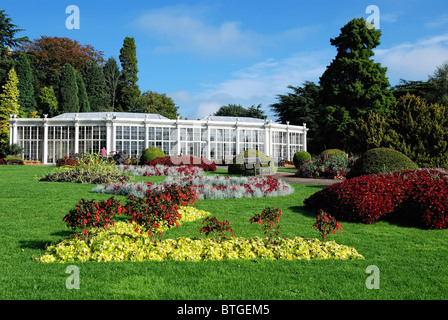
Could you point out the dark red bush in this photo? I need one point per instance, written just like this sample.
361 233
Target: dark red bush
419 197
175 161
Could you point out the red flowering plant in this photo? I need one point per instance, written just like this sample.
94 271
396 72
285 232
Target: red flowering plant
158 211
326 224
217 228
89 213
269 217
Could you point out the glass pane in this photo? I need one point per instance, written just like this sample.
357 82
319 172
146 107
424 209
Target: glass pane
159 134
134 133
126 133
119 132
151 133
166 134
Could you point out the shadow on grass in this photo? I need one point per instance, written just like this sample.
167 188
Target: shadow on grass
43 244
303 211
35 244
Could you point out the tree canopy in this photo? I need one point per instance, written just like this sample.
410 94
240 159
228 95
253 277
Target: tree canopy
236 110
153 102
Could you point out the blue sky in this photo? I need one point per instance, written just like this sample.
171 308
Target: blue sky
205 54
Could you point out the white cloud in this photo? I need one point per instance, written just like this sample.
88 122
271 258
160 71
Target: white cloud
260 83
180 28
414 61
185 29
438 22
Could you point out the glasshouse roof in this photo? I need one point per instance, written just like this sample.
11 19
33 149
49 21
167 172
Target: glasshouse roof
112 115
233 119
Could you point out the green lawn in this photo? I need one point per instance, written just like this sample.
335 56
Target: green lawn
413 263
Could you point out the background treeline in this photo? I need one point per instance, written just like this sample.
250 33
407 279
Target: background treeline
58 75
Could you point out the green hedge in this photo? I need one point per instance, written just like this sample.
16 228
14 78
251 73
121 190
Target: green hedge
150 154
381 160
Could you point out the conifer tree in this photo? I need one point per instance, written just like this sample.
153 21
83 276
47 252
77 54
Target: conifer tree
27 99
353 83
128 88
84 105
48 103
9 104
420 130
111 77
95 87
68 90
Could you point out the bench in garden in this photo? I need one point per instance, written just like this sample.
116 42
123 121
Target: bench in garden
256 164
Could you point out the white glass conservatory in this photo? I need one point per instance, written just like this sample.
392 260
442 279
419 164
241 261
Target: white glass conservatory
215 138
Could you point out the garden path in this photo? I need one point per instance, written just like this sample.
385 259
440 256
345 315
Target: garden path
291 178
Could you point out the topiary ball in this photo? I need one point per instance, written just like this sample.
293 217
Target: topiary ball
380 161
326 154
237 165
300 157
150 154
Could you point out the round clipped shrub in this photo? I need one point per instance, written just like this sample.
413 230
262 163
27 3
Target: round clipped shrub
381 160
237 166
300 157
332 152
150 154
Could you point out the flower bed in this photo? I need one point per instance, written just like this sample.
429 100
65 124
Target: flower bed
335 167
209 187
160 170
122 243
414 197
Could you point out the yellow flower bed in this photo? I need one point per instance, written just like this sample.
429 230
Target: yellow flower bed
122 243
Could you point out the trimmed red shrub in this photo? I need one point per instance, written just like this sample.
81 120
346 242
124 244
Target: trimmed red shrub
176 161
419 197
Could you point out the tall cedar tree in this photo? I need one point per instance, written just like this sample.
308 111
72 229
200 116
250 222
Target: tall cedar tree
84 105
299 107
68 90
8 32
27 98
9 104
8 41
129 90
353 83
111 77
96 87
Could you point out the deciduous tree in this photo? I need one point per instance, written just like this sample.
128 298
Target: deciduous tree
153 102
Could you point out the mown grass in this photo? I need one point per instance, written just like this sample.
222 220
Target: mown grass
413 263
